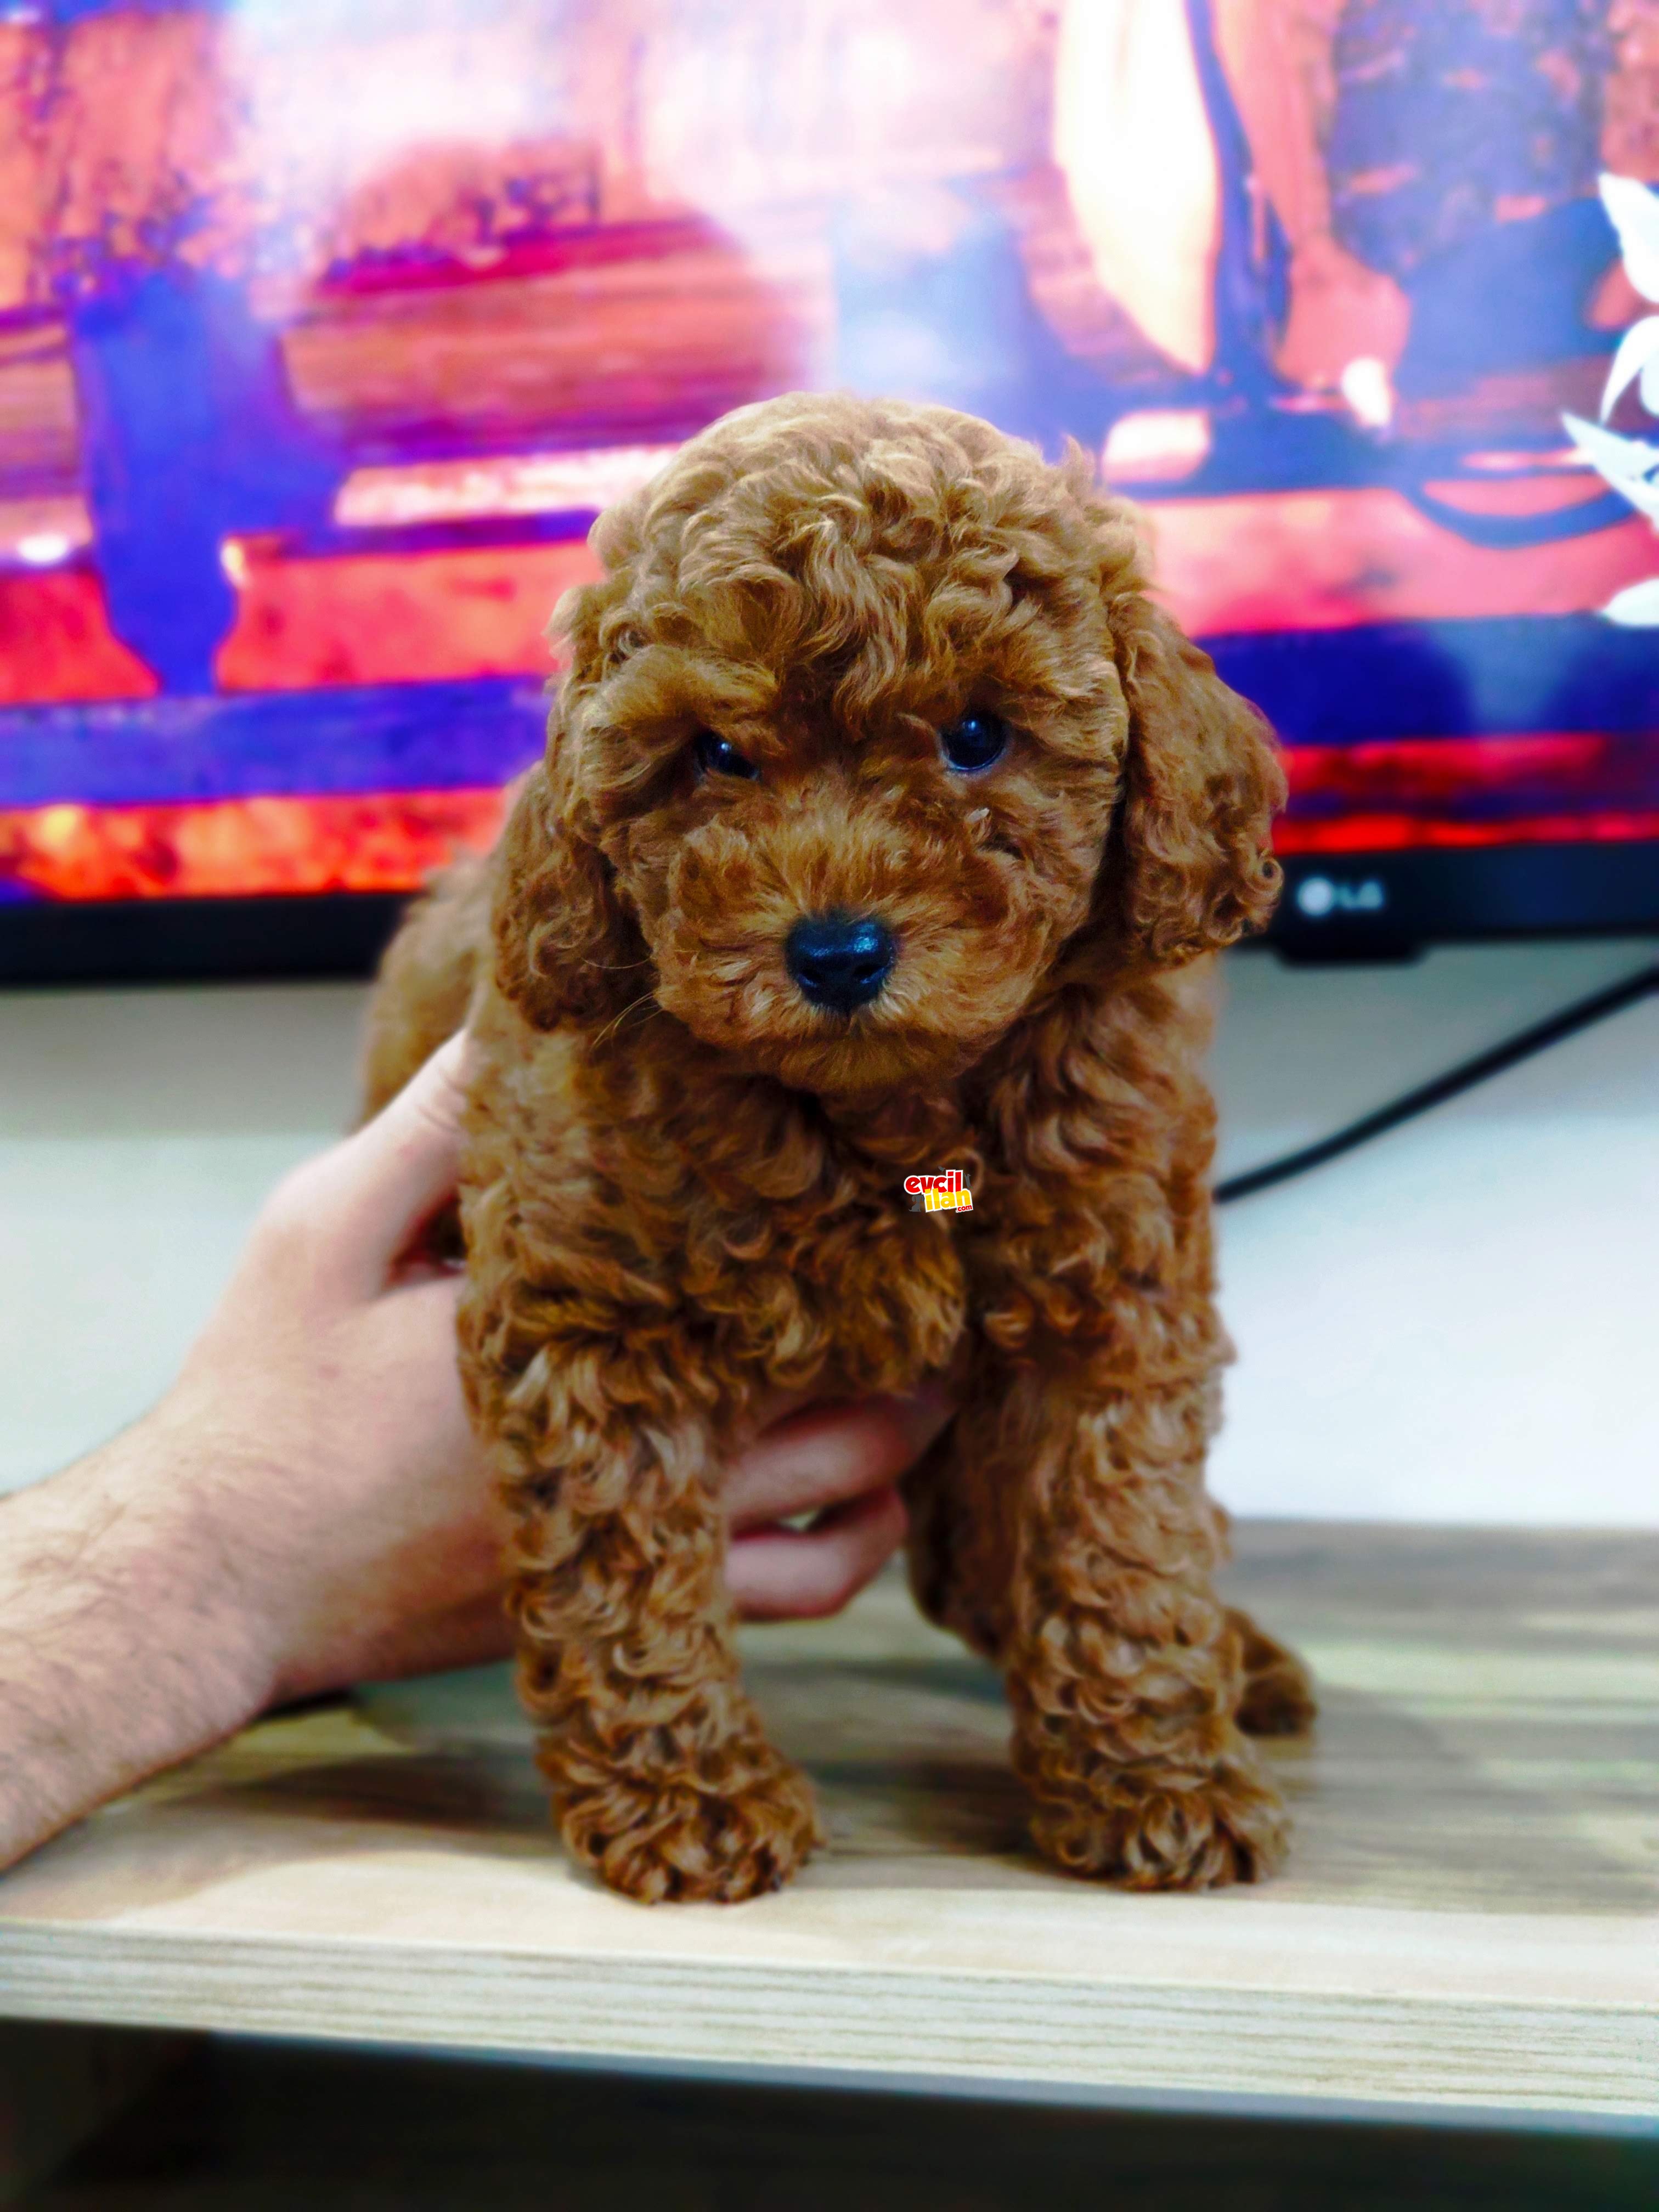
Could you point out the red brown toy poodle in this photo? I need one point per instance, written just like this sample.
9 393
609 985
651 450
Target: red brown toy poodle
882 819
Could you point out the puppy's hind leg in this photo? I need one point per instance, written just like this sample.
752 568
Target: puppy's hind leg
936 1534
1277 1697
960 1543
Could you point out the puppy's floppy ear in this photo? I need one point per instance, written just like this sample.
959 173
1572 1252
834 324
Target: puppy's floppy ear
567 949
1190 857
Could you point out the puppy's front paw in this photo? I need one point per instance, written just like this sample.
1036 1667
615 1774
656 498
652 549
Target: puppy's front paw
682 1844
1147 1832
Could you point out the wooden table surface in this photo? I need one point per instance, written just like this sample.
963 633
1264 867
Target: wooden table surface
1470 1920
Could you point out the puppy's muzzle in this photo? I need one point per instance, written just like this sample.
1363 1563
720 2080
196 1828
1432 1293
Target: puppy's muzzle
839 961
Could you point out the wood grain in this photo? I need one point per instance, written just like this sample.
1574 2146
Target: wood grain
1471 1919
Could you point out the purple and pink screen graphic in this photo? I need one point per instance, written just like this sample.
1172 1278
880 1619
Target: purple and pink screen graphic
327 326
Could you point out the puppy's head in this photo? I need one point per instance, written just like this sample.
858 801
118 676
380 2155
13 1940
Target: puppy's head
870 737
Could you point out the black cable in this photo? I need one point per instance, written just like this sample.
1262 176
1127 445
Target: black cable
1570 1019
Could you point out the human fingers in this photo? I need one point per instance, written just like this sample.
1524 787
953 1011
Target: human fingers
802 1574
363 1204
831 1453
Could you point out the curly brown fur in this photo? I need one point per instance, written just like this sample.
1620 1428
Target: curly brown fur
684 1185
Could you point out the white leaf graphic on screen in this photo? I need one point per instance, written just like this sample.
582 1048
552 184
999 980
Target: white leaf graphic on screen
1636 607
1633 211
1630 465
1637 355
1626 464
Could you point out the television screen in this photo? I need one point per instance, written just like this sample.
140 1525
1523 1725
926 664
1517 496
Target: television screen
327 325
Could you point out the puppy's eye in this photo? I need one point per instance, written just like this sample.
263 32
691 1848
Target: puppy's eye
716 757
974 742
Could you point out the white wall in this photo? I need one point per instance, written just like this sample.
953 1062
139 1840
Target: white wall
1457 1323
1460 1321
138 1131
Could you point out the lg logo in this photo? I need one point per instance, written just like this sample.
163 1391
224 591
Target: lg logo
1319 897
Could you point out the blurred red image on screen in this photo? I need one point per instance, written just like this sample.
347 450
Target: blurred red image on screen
325 329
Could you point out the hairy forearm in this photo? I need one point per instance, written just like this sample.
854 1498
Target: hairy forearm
126 1641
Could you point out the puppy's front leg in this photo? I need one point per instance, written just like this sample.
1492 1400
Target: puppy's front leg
663 1780
1124 1669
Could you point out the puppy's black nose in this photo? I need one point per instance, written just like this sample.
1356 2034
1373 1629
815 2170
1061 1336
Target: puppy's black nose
840 962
